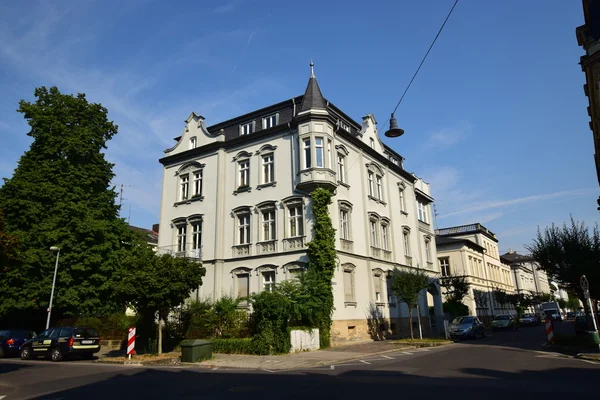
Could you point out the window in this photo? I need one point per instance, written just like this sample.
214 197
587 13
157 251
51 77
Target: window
373 229
247 128
428 249
372 143
384 237
445 266
244 170
296 225
349 284
344 227
268 281
268 168
198 183
196 235
181 233
307 154
378 287
329 159
244 228
370 178
184 181
341 168
193 143
422 211
406 240
243 284
402 200
319 152
379 191
268 231
270 121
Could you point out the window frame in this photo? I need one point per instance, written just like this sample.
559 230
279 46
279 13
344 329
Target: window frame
295 219
198 183
243 173
268 225
274 118
349 298
319 150
251 128
184 187
268 168
243 220
307 151
193 142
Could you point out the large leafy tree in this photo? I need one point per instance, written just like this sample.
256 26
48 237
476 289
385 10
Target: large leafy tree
568 252
407 285
60 195
154 285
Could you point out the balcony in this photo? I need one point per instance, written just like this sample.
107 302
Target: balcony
266 247
241 250
313 178
347 245
294 243
176 252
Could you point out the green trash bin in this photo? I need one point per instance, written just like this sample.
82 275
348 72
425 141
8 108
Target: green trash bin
594 337
196 350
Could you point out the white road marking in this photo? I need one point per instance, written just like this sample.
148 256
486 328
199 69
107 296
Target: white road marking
268 370
423 350
589 362
388 357
406 352
332 367
364 362
549 356
1 397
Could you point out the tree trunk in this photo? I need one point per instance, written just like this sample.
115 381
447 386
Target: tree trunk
159 333
410 321
419 319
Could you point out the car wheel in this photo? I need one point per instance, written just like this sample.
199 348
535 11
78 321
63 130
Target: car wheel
56 355
25 353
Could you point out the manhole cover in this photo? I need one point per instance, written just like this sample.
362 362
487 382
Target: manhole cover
245 389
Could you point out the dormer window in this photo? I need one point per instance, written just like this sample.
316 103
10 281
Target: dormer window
193 143
270 121
247 128
344 126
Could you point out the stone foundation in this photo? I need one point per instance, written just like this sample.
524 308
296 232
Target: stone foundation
359 330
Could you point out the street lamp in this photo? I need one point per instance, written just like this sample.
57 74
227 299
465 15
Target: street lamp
57 249
394 131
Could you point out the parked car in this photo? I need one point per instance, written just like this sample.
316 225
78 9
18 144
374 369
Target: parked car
554 315
503 322
529 319
12 339
467 327
58 343
571 316
581 324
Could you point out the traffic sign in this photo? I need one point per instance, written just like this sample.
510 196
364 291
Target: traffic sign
585 285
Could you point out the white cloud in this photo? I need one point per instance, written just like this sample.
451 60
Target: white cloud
447 137
227 7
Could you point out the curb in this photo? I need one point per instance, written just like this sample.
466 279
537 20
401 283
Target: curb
321 363
172 361
589 358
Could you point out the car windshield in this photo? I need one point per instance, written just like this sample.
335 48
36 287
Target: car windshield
85 333
462 320
501 318
527 315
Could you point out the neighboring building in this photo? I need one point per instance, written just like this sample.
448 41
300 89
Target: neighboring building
588 36
236 196
528 278
472 251
150 235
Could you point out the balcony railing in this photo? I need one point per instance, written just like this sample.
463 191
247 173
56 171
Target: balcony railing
176 251
293 243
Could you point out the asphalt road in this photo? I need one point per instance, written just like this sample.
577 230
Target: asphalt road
505 365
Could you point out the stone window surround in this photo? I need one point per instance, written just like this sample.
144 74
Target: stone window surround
265 268
178 222
287 203
378 273
269 205
406 233
234 274
402 194
240 157
264 151
328 142
293 266
428 256
377 171
236 213
188 169
342 151
344 205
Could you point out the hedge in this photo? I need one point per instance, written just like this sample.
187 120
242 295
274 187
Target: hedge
234 346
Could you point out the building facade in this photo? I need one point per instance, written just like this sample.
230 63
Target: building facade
528 278
472 251
236 195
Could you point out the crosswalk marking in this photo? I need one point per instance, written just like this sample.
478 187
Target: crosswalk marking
406 352
364 362
388 357
332 367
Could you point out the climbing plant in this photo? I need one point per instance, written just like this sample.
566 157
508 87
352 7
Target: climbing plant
322 263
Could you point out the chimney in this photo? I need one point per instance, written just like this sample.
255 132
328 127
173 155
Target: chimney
155 228
511 251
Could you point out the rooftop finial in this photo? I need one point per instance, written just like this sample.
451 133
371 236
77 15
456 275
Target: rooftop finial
312 69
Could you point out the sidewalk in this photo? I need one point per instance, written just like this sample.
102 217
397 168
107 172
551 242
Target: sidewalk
307 359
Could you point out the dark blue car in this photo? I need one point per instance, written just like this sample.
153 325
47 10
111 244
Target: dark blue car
12 339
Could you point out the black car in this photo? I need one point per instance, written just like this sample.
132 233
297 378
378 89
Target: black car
12 339
58 343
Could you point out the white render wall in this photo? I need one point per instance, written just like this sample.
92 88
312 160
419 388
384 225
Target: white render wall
219 222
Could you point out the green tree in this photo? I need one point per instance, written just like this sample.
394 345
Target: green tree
565 253
501 297
60 195
322 263
407 285
456 288
562 303
572 304
154 285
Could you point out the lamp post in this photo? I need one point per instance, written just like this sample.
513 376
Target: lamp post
57 249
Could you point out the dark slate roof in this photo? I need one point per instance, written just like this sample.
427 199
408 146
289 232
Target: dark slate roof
442 240
465 230
151 236
312 96
514 258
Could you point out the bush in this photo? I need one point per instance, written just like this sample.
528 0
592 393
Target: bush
233 346
109 327
272 312
455 309
221 319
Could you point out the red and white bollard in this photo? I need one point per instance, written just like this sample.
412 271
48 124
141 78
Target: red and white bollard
131 342
549 330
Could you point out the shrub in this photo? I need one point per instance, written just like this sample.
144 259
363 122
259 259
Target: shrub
272 311
221 319
109 327
233 346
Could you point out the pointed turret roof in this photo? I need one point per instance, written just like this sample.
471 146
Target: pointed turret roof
312 96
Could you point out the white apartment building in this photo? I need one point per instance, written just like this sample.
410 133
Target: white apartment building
236 195
472 251
528 278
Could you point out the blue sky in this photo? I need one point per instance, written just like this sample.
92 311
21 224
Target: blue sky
496 120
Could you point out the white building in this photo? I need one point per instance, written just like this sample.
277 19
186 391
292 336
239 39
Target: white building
472 251
236 196
528 277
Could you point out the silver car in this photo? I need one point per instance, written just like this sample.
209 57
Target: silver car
467 326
